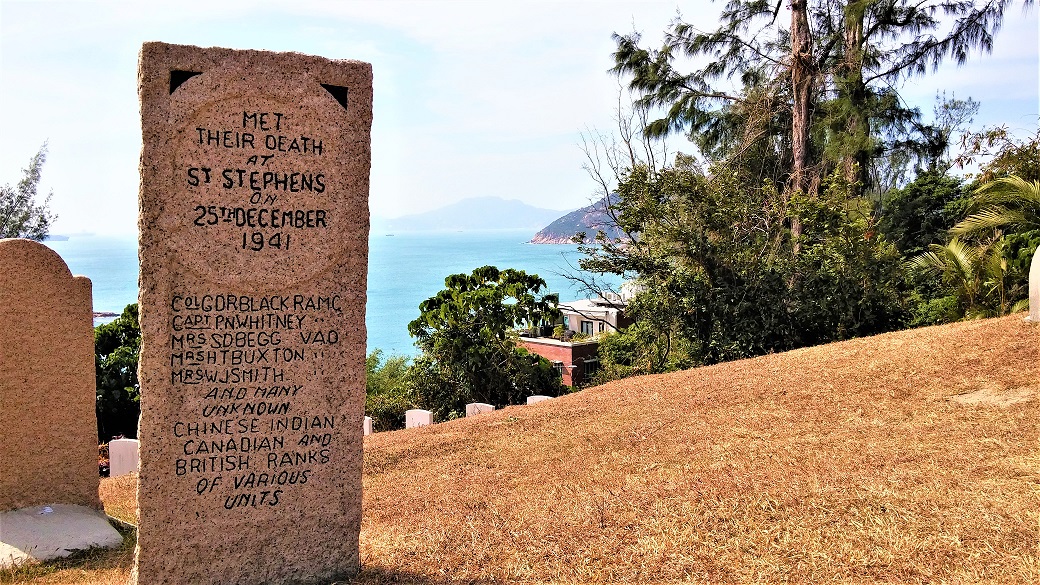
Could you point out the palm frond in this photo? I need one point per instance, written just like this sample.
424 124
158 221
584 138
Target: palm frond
989 218
926 262
1011 190
961 256
1007 201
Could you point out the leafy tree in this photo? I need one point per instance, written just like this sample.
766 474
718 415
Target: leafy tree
388 393
466 334
1004 154
20 215
713 257
818 92
921 213
117 346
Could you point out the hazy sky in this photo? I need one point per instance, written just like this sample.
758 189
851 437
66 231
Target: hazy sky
471 98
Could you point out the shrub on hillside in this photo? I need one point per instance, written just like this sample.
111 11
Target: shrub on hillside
117 346
388 394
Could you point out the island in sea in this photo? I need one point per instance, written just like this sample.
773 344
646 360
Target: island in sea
477 213
589 220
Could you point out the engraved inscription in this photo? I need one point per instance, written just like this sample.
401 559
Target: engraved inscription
248 361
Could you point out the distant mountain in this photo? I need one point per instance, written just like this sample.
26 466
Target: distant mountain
480 213
591 220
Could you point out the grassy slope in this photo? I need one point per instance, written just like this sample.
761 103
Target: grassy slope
845 462
842 463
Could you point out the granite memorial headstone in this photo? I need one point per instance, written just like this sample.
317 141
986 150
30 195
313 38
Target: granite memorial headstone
123 457
254 255
475 408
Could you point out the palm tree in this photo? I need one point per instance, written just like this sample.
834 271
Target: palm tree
983 282
1006 202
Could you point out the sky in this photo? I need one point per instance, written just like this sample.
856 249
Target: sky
472 99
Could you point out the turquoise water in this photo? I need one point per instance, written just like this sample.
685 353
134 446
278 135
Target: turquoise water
404 269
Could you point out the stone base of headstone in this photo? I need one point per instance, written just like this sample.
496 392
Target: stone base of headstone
475 408
123 456
417 418
536 399
42 533
366 426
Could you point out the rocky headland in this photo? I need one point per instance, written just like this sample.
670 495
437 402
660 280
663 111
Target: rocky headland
589 220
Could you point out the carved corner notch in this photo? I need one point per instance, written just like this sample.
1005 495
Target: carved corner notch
338 92
178 77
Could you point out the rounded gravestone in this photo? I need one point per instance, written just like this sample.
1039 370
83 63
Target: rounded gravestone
48 425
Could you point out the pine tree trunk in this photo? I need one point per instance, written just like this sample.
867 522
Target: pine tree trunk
801 90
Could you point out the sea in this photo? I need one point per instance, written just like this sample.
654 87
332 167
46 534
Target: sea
404 269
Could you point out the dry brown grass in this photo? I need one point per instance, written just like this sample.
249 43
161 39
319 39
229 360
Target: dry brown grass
843 463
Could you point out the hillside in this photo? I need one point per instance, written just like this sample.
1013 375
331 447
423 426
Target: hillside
906 457
590 220
847 462
479 213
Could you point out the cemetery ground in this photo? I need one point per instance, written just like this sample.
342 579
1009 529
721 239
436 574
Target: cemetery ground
907 457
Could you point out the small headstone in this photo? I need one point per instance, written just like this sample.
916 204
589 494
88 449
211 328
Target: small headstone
122 456
366 426
48 425
1034 287
49 504
475 408
417 418
536 399
254 257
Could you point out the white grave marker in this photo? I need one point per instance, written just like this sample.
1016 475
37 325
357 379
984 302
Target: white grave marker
475 408
1034 287
122 456
417 418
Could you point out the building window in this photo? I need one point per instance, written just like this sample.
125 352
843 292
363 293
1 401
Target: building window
586 327
591 367
602 326
558 366
566 323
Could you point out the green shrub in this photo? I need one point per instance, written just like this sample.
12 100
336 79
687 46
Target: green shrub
116 349
387 391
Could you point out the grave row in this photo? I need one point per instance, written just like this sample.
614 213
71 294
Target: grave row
421 418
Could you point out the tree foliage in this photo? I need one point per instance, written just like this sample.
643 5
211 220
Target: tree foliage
20 215
469 351
981 280
791 101
1001 154
388 391
713 256
1007 202
920 213
117 346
